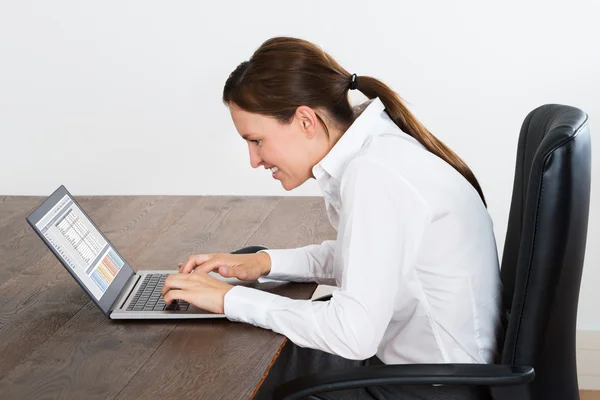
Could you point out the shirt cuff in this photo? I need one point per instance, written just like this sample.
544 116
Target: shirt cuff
269 276
287 265
248 305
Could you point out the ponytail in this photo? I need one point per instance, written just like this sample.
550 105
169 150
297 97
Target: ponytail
406 121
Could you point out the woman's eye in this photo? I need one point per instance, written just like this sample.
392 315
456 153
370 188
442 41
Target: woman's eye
255 141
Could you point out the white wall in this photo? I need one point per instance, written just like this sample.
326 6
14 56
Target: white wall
124 97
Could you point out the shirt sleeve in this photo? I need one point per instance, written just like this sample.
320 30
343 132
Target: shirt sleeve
312 263
381 224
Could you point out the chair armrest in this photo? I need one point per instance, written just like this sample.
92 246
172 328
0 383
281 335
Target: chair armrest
249 250
405 374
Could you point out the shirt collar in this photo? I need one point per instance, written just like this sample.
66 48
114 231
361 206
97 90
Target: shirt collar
371 122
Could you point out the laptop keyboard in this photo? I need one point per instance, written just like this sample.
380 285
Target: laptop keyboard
149 298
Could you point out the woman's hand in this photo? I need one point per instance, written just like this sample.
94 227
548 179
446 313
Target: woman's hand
199 289
246 267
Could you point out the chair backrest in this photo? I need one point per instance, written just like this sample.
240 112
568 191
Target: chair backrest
544 250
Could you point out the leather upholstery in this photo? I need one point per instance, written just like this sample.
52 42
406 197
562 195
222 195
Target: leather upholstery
544 249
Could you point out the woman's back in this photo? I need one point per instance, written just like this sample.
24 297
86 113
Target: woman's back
447 306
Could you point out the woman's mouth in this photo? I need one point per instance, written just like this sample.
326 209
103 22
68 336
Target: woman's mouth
274 171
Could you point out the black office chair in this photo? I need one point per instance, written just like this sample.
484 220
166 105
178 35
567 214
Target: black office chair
541 274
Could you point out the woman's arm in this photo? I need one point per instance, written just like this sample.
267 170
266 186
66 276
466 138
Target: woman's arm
312 263
381 223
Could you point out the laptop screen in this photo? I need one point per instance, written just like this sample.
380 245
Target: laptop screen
81 247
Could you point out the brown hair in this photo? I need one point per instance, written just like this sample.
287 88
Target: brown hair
285 73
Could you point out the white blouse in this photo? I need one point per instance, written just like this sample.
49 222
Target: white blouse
415 258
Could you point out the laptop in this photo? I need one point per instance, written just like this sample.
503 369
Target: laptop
98 267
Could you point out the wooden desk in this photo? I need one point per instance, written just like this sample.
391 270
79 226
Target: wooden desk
57 344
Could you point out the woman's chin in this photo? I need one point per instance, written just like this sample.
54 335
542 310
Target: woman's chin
287 185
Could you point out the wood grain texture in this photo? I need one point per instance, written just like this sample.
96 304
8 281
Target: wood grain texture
57 344
296 221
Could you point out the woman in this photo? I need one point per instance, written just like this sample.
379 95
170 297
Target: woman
415 258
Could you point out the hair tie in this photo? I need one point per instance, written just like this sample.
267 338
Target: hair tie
353 82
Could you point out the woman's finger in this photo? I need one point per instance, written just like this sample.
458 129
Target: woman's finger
233 271
213 264
177 282
184 295
193 261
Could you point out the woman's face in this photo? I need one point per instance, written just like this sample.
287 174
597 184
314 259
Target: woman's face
288 151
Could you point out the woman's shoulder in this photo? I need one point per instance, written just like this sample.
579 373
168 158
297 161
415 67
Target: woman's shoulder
371 172
368 177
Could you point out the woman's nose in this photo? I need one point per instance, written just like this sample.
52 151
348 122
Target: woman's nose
254 158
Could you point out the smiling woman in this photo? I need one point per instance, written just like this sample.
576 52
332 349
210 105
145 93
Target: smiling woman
288 150
415 255
293 90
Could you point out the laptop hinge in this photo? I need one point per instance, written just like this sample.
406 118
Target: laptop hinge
124 295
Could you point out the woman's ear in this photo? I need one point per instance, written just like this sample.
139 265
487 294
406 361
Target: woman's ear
307 121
